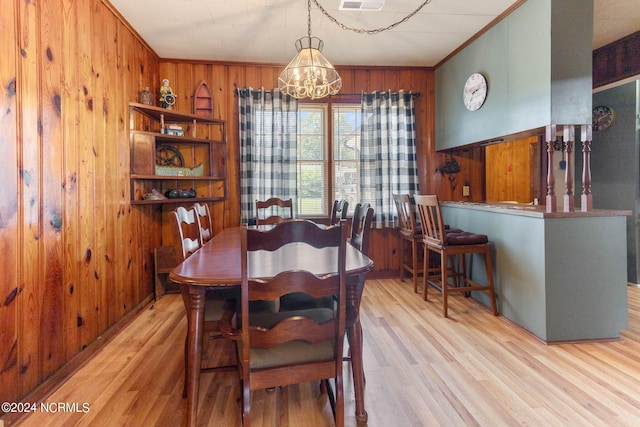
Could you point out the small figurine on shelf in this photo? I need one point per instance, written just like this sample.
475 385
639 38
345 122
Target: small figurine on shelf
167 97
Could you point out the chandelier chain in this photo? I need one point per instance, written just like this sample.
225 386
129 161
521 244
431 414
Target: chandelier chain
363 30
309 19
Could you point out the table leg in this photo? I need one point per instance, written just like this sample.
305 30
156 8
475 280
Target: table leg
355 345
195 316
355 287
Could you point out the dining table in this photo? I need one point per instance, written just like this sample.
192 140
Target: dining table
217 265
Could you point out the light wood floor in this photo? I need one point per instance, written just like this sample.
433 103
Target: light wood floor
422 370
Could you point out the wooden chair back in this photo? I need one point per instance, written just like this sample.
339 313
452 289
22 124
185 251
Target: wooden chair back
406 215
433 229
451 246
273 211
205 222
339 211
360 226
186 230
283 348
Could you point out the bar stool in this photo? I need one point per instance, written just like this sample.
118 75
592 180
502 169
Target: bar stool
411 234
437 239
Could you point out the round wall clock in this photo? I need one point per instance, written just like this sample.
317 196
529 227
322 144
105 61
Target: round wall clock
602 117
475 91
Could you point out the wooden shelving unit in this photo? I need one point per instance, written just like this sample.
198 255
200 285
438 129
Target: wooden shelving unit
202 150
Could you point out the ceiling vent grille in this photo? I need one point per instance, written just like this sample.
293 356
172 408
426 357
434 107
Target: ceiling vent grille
364 5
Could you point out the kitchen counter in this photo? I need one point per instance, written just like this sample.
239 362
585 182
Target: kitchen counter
562 275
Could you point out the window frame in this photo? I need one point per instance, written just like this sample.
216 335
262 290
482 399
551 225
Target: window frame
328 107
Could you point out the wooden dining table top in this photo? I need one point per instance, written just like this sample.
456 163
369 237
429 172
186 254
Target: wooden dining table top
217 263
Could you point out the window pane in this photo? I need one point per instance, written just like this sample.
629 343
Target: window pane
346 148
312 160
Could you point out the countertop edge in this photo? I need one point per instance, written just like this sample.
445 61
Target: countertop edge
534 211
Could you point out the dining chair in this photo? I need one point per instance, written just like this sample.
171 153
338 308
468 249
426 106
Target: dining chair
188 235
360 226
446 243
273 211
339 211
279 349
411 234
205 222
360 232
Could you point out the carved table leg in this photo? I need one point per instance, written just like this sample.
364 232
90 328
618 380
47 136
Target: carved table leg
195 296
355 287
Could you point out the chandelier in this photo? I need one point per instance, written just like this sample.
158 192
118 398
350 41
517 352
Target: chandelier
309 74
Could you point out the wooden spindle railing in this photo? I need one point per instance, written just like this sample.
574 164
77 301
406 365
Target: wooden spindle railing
569 137
550 200
586 202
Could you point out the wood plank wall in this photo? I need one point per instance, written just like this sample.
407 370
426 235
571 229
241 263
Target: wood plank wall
76 258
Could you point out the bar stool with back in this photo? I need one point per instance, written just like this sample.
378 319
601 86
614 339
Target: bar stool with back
450 244
409 233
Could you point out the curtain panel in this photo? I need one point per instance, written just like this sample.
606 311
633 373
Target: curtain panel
388 162
268 148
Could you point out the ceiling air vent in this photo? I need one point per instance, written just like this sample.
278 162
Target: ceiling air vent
371 5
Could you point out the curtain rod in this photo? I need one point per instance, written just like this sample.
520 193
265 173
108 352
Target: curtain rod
414 94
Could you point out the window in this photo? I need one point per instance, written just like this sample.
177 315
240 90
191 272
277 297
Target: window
328 146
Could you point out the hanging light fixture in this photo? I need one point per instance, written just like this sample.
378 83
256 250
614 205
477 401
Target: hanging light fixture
309 74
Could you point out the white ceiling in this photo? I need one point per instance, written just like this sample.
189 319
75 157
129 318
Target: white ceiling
265 31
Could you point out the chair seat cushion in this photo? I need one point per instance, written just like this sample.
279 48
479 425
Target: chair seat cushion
466 238
291 353
294 351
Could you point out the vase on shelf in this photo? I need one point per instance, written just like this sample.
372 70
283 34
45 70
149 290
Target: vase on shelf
146 96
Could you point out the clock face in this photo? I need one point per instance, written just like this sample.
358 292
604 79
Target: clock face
602 117
475 91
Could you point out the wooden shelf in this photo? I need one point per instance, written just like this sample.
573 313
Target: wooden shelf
178 178
202 146
177 201
171 115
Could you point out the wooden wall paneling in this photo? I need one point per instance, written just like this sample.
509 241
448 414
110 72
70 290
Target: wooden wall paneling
10 227
223 90
102 178
51 331
30 187
110 105
86 195
346 75
234 78
71 215
616 61
508 171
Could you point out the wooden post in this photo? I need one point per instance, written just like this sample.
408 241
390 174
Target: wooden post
586 202
569 137
550 199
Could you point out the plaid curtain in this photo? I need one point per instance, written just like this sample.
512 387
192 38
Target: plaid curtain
268 155
388 152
